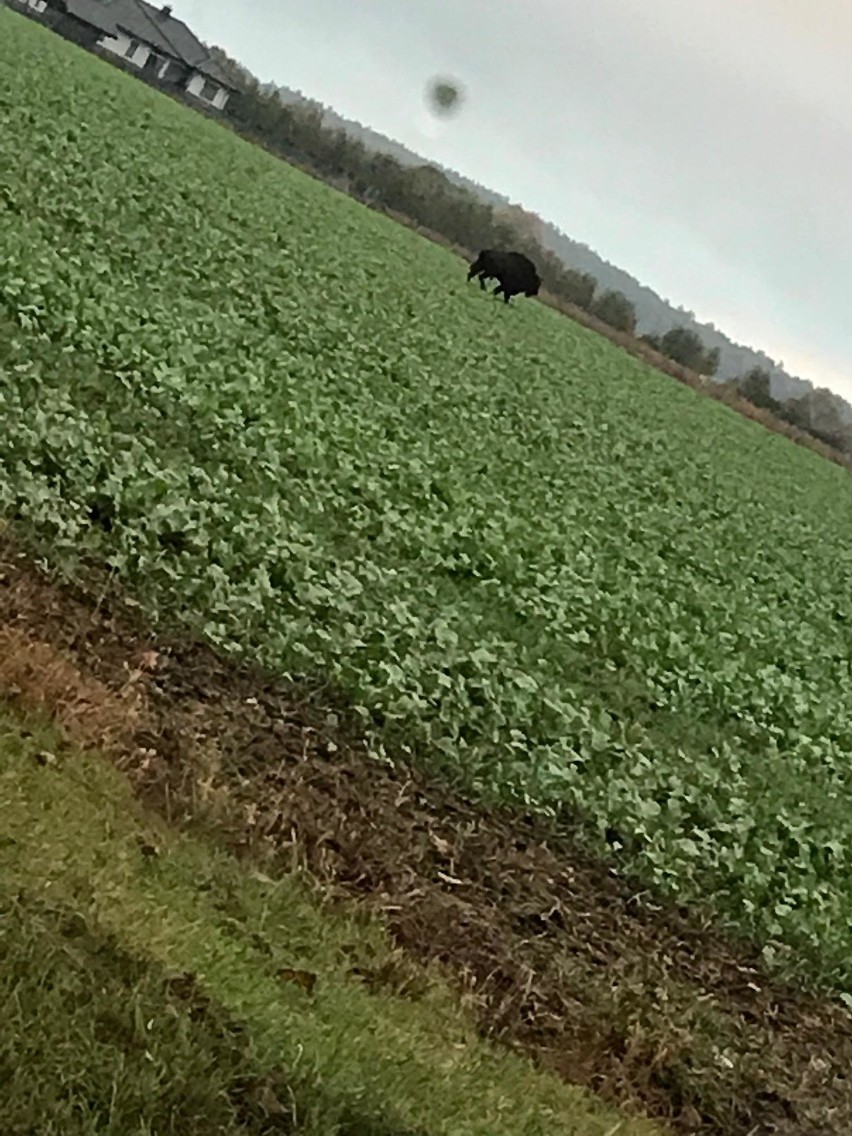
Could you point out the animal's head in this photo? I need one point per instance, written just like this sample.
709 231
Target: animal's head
534 287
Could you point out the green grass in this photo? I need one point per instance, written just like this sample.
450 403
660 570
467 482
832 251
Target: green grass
104 1031
539 564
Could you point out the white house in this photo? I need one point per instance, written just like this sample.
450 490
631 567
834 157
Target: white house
149 39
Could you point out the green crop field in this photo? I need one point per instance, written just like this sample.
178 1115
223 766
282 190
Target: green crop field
532 561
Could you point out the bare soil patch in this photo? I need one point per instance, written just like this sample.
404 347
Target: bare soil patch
647 1005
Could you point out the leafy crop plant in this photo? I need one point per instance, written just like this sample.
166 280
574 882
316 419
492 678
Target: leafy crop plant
529 559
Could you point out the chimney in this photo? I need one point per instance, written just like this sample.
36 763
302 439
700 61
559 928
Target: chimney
165 11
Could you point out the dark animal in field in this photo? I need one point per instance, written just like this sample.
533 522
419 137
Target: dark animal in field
516 274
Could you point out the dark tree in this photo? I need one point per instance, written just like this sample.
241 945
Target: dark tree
614 309
756 386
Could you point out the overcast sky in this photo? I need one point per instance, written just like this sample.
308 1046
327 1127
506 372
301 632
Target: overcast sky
704 147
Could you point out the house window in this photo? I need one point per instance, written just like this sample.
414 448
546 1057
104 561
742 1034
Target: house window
208 91
130 50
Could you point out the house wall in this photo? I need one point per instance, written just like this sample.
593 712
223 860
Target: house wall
196 85
29 7
118 45
67 26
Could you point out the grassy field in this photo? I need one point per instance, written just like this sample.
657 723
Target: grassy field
151 984
538 564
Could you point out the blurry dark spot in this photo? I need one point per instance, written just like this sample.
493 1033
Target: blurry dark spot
444 96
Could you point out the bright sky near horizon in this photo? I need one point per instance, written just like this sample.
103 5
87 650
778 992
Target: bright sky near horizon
704 148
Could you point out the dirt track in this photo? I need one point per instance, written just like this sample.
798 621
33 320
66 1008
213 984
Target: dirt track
562 958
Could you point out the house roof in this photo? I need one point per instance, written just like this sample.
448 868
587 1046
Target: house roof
154 26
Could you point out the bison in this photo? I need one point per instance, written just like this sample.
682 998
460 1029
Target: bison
514 272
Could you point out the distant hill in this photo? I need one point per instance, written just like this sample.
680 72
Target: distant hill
655 315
